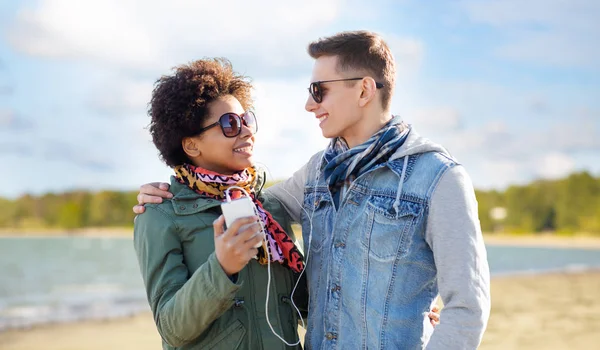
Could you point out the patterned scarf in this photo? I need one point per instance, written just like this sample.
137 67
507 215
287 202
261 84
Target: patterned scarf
210 184
345 164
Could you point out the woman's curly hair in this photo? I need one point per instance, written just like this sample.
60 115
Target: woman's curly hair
179 104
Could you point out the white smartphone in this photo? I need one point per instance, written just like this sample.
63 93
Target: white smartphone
239 208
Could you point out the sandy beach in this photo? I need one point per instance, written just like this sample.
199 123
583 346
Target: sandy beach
555 311
544 240
100 232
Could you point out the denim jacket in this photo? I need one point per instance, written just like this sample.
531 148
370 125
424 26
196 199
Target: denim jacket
403 232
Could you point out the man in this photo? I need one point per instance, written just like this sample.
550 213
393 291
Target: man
389 219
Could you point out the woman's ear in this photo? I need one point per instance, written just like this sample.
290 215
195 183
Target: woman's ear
191 147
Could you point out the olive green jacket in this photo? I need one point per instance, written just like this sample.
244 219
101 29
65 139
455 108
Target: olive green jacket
194 303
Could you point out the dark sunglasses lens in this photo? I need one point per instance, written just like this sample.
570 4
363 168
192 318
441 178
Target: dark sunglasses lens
249 120
231 125
315 91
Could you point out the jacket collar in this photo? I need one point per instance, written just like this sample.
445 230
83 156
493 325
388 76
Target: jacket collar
186 201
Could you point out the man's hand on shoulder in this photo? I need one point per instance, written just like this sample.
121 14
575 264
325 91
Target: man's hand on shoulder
153 192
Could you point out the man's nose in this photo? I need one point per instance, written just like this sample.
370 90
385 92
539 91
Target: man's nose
310 105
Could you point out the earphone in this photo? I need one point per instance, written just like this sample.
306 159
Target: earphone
307 249
240 208
263 231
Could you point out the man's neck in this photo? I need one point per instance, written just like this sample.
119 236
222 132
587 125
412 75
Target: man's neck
371 124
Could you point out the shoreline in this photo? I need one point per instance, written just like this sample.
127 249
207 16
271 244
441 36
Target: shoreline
135 314
96 232
529 240
552 311
543 240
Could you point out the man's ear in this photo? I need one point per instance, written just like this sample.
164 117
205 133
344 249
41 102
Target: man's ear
191 147
368 89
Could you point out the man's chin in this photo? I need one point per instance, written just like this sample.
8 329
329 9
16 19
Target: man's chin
328 134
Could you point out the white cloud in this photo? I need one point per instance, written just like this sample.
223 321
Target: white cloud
288 135
408 53
494 173
469 98
496 127
560 33
489 140
444 118
6 90
554 165
133 40
9 120
499 154
154 34
538 104
552 48
119 96
482 124
91 29
510 12
579 134
54 151
14 149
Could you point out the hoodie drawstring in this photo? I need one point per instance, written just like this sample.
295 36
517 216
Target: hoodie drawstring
397 201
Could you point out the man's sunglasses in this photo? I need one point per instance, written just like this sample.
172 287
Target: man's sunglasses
231 124
316 91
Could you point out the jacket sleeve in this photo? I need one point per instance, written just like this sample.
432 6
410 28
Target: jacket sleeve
291 191
454 234
183 304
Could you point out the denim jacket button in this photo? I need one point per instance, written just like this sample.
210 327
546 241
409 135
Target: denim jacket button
182 207
330 336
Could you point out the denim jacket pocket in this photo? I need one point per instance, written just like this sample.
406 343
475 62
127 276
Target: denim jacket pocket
314 220
388 230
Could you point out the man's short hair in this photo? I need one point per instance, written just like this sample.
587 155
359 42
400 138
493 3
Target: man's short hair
362 51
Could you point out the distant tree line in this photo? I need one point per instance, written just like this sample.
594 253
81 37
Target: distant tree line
69 210
569 205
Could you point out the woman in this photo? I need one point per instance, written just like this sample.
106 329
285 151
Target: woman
205 287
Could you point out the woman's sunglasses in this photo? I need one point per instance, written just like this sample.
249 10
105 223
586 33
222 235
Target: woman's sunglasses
231 124
316 91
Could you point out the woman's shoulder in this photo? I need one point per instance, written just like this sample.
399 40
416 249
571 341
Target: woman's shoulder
157 213
178 217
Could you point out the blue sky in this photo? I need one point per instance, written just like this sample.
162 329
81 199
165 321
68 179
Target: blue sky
511 88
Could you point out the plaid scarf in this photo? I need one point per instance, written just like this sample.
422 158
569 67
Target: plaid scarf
210 184
344 164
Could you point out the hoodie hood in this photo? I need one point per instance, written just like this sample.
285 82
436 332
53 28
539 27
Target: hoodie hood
417 144
414 144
